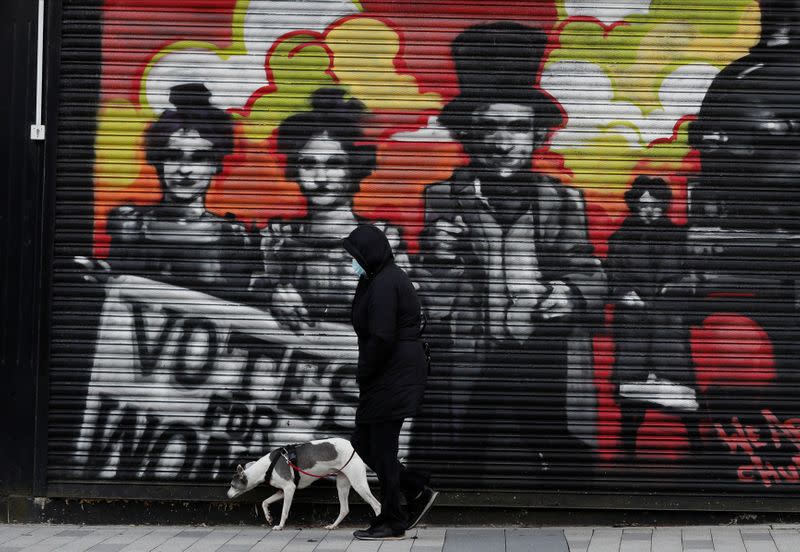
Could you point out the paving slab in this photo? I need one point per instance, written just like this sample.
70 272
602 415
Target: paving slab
245 539
306 540
156 537
758 540
67 539
787 540
697 539
10 532
96 537
727 539
429 540
474 540
398 546
275 541
578 538
213 540
605 540
180 541
636 540
364 546
536 540
124 538
335 541
33 534
51 544
666 539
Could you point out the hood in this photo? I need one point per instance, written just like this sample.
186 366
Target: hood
368 245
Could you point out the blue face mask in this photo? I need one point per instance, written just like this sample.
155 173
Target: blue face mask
358 269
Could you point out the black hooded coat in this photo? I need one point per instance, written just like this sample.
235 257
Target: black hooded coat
392 371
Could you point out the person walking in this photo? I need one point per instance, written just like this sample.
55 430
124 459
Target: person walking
391 375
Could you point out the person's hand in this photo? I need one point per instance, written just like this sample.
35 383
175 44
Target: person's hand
287 306
96 271
557 303
632 299
446 234
523 311
525 299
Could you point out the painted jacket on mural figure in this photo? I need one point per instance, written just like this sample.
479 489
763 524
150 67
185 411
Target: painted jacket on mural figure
311 260
482 286
481 283
651 336
206 252
392 371
647 259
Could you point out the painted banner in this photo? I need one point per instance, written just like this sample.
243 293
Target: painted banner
183 384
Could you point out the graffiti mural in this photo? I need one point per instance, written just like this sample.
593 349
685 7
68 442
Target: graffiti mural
595 203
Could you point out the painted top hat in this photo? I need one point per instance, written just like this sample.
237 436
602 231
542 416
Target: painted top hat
499 63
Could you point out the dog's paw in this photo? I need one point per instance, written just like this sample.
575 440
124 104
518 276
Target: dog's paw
331 527
278 528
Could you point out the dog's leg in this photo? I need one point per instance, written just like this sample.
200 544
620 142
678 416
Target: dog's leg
356 472
265 505
288 495
343 487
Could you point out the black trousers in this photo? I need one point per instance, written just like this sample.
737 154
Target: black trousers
377 444
525 422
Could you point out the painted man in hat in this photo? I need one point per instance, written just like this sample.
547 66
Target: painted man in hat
506 268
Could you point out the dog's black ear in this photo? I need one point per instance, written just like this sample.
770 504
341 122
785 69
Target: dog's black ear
239 470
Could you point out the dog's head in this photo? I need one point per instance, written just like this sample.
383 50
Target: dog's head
252 474
239 483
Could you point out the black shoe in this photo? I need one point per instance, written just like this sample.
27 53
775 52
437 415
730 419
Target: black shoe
418 507
379 532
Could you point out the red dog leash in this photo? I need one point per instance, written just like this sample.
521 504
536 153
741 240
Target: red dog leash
300 470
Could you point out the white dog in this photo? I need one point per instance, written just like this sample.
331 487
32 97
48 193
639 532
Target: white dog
294 467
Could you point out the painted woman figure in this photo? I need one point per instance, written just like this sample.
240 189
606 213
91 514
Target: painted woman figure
306 274
649 289
178 240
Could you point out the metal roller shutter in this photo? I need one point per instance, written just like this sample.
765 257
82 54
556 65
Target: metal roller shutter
596 202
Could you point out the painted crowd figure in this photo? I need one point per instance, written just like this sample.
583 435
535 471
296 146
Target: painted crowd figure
305 278
306 274
178 240
506 269
747 132
649 287
744 205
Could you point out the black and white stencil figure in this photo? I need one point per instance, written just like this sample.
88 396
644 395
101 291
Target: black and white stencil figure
177 240
649 287
747 133
744 220
306 273
507 272
745 202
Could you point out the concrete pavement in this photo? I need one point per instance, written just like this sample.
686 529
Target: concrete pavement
174 538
